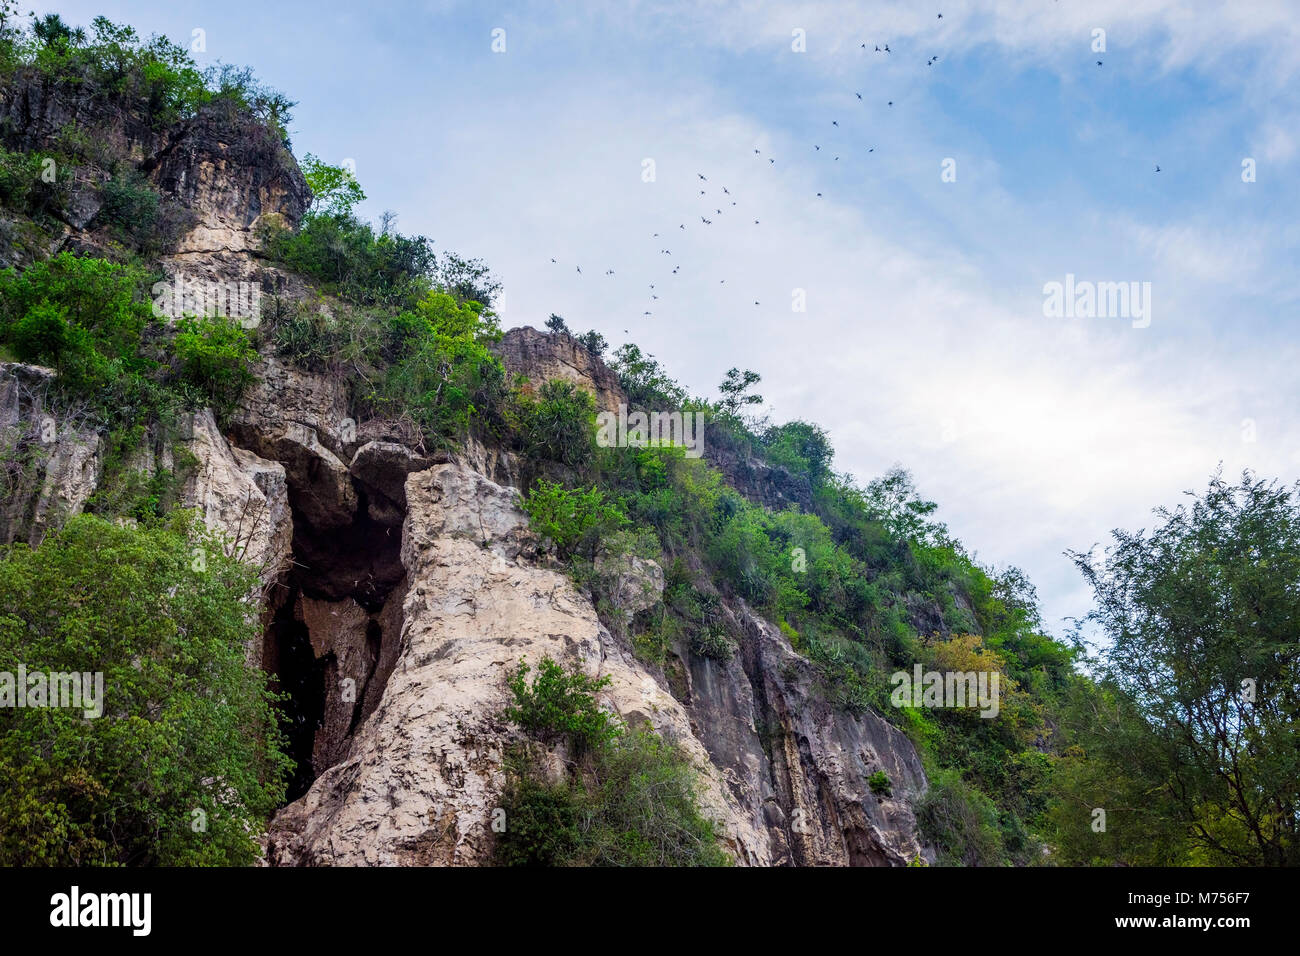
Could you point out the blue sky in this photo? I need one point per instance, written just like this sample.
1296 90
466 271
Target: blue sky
924 342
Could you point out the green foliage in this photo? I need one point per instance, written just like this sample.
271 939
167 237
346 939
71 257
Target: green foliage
442 371
630 799
575 520
557 425
155 75
1200 675
216 359
644 379
880 784
187 725
334 190
354 262
799 447
735 391
594 343
560 703
87 318
961 822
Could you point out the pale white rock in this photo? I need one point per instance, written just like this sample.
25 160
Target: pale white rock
242 496
424 770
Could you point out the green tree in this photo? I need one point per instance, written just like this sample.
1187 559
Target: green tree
1201 669
334 190
185 764
736 394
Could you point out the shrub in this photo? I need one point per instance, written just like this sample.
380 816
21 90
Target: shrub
560 703
960 821
631 799
880 784
558 425
216 358
575 521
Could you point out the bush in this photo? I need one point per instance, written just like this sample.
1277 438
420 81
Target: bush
575 521
631 799
880 784
960 821
558 425
188 732
560 703
216 359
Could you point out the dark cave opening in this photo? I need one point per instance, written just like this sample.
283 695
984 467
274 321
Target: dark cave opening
335 633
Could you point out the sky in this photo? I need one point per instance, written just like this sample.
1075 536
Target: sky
963 187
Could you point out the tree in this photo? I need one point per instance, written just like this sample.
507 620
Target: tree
184 763
1202 668
594 343
645 380
575 520
334 190
735 389
557 325
469 280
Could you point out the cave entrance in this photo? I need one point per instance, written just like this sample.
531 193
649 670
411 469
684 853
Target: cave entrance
335 632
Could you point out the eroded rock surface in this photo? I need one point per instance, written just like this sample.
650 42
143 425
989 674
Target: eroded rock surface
424 769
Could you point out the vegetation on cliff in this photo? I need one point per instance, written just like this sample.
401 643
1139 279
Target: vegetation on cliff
1180 727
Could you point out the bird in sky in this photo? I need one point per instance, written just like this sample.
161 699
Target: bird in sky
858 95
887 49
756 222
835 122
891 102
579 268
702 176
819 195
726 190
609 272
1099 62
552 260
941 16
1157 169
771 160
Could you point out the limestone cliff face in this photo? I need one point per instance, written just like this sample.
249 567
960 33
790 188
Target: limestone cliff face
422 774
399 586
541 357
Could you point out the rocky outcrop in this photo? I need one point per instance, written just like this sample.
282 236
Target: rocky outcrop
541 357
300 419
424 769
241 495
800 767
50 461
772 487
233 175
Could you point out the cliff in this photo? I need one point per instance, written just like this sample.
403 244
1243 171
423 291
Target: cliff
400 584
